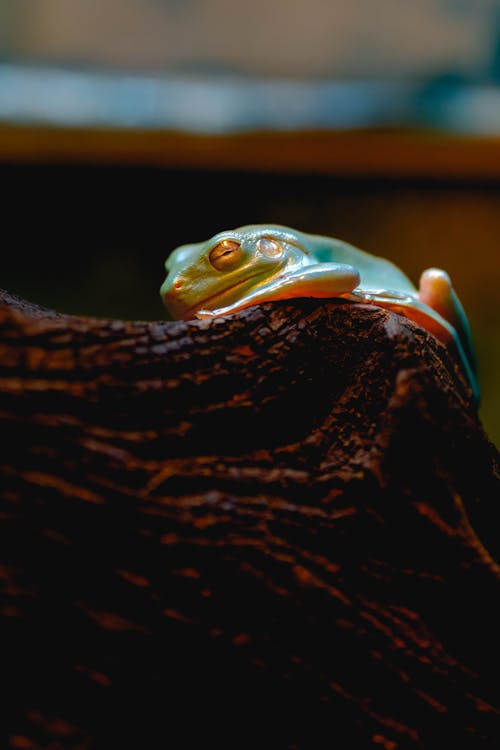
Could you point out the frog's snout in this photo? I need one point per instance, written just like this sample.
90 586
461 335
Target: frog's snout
172 293
173 289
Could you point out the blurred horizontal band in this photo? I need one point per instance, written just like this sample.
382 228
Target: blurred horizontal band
435 128
224 104
358 154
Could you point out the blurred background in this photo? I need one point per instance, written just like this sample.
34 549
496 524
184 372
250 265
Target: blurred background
131 126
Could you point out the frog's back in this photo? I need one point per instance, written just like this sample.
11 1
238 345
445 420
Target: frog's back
375 272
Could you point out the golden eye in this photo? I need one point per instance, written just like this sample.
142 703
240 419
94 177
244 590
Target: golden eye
270 248
225 254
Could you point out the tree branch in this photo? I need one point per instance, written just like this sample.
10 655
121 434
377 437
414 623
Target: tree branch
274 530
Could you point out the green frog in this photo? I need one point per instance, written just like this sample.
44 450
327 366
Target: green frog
265 262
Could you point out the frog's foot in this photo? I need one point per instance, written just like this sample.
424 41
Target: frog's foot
411 307
322 280
444 318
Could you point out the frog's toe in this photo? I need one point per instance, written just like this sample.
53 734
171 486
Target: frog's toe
436 291
435 288
206 314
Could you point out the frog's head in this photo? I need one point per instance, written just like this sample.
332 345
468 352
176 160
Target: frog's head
213 274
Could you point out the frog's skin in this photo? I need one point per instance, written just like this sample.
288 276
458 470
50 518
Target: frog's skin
264 262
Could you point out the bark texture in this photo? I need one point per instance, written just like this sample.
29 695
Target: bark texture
277 530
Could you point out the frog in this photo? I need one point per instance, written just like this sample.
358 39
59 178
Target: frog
259 263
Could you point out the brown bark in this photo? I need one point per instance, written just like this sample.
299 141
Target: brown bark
271 531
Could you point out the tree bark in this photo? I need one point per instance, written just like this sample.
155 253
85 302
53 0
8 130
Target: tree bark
275 530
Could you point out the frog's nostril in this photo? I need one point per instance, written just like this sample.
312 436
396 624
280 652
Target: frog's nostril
178 284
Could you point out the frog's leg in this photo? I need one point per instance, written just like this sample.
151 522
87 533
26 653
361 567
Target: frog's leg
321 280
427 317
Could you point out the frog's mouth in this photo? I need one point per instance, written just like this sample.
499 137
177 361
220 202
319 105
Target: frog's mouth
208 302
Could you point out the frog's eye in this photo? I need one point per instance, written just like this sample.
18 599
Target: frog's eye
225 255
269 247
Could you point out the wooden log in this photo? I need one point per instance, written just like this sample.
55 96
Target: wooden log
276 530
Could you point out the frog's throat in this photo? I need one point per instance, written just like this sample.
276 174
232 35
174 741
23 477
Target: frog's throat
202 304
